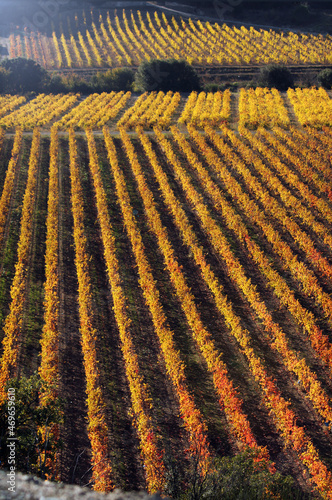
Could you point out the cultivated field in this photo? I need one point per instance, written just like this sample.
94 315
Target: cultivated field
116 39
174 286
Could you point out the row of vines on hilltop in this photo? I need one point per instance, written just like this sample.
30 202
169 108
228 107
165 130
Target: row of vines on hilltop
130 38
236 224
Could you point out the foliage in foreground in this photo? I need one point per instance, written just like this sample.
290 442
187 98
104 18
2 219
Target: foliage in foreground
242 477
37 444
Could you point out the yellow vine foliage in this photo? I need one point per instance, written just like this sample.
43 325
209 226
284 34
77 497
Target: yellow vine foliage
141 401
14 320
283 416
192 418
228 398
97 426
275 334
129 41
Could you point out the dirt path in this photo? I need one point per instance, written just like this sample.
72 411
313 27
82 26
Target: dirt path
294 122
234 118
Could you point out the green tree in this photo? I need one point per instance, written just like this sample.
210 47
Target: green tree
275 76
25 75
33 446
4 77
324 78
113 80
168 74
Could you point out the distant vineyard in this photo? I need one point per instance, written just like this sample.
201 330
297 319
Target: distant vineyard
128 39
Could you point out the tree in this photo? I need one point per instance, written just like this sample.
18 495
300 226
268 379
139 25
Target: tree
275 76
113 80
123 79
25 75
36 443
324 78
56 84
4 77
166 74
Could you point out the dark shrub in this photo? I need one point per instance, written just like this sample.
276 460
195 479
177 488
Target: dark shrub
25 75
221 87
324 78
56 84
123 79
213 87
165 75
275 76
4 79
75 83
242 477
117 80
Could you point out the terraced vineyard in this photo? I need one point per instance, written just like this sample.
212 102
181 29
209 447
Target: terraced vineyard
174 287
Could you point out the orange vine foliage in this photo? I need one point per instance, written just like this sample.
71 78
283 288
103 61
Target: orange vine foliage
97 427
319 341
290 201
141 401
314 167
14 320
283 416
228 398
9 181
291 178
49 367
193 420
275 334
